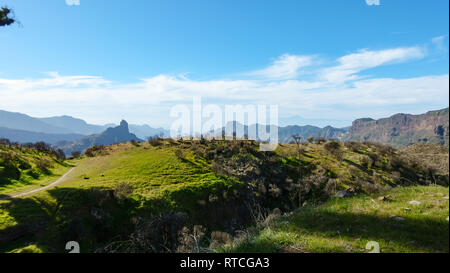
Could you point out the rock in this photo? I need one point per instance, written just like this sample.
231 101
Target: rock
398 218
382 198
344 194
414 203
446 197
446 218
406 208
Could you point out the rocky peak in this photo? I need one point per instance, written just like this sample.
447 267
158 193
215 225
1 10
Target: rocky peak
124 124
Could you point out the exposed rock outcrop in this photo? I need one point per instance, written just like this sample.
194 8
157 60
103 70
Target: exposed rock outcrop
403 129
114 135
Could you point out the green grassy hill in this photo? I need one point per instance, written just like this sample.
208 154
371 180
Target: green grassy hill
24 168
141 197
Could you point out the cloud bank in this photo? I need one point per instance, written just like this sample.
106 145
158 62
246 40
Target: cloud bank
335 90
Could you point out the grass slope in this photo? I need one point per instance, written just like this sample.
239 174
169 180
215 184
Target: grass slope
104 197
159 181
24 169
347 225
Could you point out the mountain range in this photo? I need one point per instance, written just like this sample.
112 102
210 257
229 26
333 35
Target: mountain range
403 129
72 134
65 128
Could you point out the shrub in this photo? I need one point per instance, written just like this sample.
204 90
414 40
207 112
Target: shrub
159 234
134 143
320 140
179 154
96 149
366 162
76 154
353 146
334 148
123 191
155 141
60 155
43 164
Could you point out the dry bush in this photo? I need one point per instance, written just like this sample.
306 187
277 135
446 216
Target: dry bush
134 143
334 148
155 235
43 164
366 162
76 154
219 238
360 185
123 191
354 146
311 188
190 240
179 154
155 141
320 140
94 150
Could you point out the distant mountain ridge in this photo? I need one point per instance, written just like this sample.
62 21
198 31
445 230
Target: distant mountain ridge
24 122
75 125
61 125
22 136
285 133
403 129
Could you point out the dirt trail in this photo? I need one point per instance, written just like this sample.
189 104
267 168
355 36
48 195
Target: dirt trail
28 192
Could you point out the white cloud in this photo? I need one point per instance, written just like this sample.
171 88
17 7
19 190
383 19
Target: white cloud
439 42
149 100
285 67
373 2
351 64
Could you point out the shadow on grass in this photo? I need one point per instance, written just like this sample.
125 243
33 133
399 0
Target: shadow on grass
425 235
90 217
358 166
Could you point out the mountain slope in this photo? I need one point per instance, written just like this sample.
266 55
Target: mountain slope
74 125
403 129
22 136
20 121
285 133
145 131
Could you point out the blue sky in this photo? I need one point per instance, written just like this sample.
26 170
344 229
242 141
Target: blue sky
324 59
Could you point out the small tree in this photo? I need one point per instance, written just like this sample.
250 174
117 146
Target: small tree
6 17
76 154
334 148
298 141
60 155
320 140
